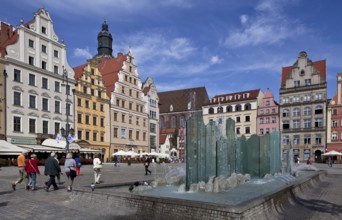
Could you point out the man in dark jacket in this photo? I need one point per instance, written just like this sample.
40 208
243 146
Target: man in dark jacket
52 169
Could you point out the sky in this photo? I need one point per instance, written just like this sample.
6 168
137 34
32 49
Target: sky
225 45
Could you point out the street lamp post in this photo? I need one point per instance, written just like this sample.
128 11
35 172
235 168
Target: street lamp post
67 110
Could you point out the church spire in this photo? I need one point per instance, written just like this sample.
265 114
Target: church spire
104 39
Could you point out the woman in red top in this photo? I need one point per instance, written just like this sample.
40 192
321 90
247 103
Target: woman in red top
31 167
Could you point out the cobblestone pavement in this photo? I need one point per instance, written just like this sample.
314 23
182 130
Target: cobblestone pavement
323 201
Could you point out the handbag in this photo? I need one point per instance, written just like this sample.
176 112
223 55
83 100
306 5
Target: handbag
73 173
98 166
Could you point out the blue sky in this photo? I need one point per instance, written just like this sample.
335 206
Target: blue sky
225 45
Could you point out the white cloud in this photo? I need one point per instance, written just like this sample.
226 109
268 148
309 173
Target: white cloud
269 25
215 60
79 52
243 19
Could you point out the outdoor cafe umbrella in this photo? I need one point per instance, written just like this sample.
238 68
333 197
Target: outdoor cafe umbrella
332 153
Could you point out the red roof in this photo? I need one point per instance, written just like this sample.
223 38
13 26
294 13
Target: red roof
79 71
167 131
162 138
319 65
7 37
109 69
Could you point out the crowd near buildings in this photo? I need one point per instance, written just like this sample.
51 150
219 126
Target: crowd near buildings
108 107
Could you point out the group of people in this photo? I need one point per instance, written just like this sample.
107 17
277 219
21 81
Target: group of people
28 170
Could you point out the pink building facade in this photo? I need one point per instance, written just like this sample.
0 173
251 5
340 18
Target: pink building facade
268 115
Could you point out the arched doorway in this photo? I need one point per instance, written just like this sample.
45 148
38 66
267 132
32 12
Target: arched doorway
318 156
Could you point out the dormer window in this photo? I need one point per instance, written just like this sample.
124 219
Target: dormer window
43 30
302 72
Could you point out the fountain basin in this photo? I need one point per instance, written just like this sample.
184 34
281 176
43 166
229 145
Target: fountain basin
257 199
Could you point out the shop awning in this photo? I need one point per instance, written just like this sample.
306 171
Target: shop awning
88 150
61 144
40 148
9 149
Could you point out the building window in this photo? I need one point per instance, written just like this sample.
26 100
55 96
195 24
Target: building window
94 120
296 112
247 118
17 98
115 133
99 94
79 134
57 107
334 111
31 43
318 139
307 111
249 107
57 87
32 125
334 123
286 139
45 104
152 128
319 96
130 106
43 48
267 103
296 99
286 113
102 122
92 92
57 126
237 130
55 69
130 119
87 135
211 111
123 90
162 122
101 107
334 136
55 53
307 82
274 120
87 120
307 123
68 107
318 110
43 65
296 139
296 83
94 105
115 116
173 122
238 108
122 103
296 124
79 118
137 121
307 98
16 124
122 118
43 30
307 139
267 120
220 110
261 120
87 103
45 127
79 102
17 75
137 134
261 131
45 83
130 134
32 101
94 136
31 60
84 89
137 95
144 136
153 114
32 79
123 133
286 125
318 122
247 130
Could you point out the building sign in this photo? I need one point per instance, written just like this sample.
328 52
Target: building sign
16 140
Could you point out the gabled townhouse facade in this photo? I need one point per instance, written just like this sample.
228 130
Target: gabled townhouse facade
268 114
35 59
303 99
334 119
242 107
151 105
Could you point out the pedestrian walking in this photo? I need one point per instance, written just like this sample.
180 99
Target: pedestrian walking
115 161
31 168
60 173
52 169
97 165
330 161
22 173
78 164
70 170
147 164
